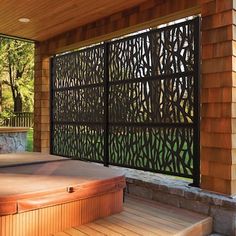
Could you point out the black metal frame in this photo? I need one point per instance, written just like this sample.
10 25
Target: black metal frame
197 79
106 121
106 105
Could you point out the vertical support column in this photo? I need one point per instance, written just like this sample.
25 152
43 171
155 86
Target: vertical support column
196 148
106 107
41 100
218 123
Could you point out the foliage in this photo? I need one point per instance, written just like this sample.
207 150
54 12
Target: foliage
4 115
16 74
29 147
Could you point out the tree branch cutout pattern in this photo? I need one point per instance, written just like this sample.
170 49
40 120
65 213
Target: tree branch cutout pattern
146 84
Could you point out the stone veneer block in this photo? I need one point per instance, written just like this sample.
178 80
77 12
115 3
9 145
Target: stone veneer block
13 140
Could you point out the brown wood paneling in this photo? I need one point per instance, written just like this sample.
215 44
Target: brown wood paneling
216 65
224 156
214 80
218 20
218 97
216 110
148 14
42 93
223 49
49 18
217 125
217 35
49 220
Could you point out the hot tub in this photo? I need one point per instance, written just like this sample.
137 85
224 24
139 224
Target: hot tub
43 194
13 139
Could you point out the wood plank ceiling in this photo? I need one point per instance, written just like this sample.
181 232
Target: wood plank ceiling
49 18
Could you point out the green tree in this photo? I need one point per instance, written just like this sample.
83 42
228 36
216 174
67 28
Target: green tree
1 69
16 72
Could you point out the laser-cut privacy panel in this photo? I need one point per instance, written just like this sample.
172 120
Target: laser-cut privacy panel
131 102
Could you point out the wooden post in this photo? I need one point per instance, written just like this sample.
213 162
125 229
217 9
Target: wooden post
218 123
41 100
0 96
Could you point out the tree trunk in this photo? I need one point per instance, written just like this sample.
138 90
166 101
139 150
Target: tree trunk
18 103
0 96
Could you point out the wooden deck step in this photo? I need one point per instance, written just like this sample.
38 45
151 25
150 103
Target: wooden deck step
147 218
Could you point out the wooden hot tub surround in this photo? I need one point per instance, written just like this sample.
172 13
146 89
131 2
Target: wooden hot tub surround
46 197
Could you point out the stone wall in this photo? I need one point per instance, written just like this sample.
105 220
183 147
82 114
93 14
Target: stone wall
12 142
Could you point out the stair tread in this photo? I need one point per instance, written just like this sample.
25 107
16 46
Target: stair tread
145 217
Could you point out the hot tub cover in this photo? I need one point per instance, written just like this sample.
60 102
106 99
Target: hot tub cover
50 180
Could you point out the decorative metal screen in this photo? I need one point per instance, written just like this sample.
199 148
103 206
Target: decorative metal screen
77 106
131 102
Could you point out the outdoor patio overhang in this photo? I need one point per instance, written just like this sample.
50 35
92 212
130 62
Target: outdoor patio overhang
60 26
50 18
65 25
